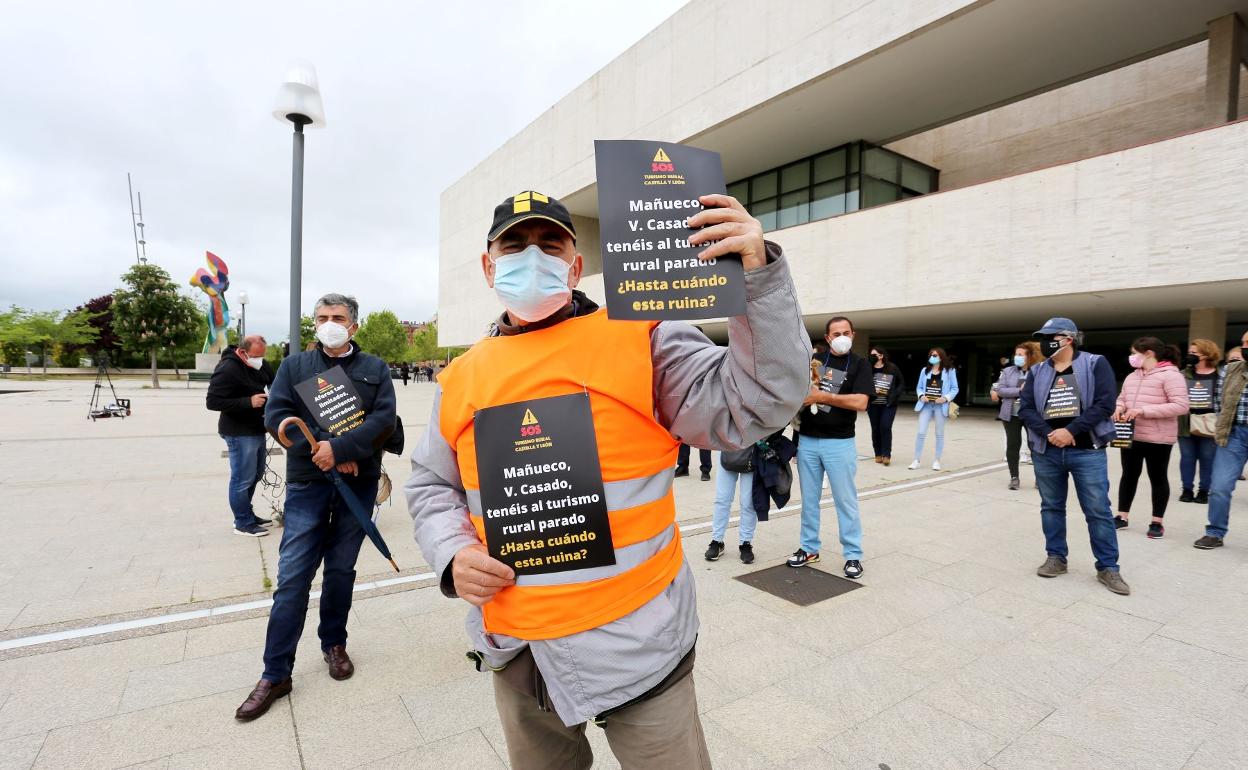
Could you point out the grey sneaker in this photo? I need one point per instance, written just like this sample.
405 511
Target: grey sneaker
1113 581
1052 567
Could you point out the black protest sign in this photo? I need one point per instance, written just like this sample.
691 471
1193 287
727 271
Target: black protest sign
883 384
1063 401
933 390
646 193
541 486
333 401
1124 434
830 381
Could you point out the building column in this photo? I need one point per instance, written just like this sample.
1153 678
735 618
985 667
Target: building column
1228 47
1207 323
862 342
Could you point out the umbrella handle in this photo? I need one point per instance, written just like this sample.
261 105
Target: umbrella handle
303 426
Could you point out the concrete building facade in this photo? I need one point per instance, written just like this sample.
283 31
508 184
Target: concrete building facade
1089 161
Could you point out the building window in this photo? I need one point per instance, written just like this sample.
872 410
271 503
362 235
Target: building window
853 176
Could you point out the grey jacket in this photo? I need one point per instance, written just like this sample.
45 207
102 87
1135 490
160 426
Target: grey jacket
708 397
1010 388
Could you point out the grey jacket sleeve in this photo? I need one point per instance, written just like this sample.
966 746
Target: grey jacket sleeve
436 500
713 397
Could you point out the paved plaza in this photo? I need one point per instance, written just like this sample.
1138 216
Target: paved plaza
953 655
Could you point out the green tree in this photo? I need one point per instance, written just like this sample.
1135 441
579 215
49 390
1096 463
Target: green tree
424 345
46 330
151 314
382 335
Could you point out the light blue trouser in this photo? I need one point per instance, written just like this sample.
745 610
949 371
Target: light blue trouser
928 413
838 459
725 488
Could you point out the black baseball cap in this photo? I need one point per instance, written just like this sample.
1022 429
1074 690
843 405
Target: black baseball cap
529 205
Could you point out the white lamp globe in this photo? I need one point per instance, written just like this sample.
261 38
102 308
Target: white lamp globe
299 97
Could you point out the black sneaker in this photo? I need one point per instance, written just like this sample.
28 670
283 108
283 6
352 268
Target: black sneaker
706 475
800 558
1208 543
714 550
260 521
1156 531
853 569
681 472
1187 497
747 553
1202 498
1120 523
253 530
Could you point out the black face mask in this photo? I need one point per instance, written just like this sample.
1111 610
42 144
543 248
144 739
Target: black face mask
1050 347
1244 352
1192 359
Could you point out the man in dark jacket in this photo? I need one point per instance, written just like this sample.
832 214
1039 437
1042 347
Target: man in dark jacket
318 525
1068 405
237 391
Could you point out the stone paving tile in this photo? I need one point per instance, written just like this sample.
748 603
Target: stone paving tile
467 751
154 733
771 657
802 727
1204 625
1226 748
447 709
981 700
188 679
853 687
19 753
348 737
968 575
913 734
1038 750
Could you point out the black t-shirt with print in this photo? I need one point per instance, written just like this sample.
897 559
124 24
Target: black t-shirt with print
855 377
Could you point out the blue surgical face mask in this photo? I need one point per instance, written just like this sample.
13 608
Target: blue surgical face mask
531 284
933 360
1019 361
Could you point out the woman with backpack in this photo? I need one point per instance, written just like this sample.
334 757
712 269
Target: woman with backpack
1152 397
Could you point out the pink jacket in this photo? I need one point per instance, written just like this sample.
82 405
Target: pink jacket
1161 395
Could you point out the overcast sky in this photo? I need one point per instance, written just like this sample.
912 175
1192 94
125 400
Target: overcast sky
180 95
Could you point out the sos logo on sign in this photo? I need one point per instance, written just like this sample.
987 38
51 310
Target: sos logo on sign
662 162
529 425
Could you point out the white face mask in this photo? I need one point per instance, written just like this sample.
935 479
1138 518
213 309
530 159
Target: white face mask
332 334
255 363
841 345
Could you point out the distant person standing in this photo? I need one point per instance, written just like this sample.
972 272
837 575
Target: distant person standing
827 447
1067 404
1231 404
1152 397
1197 449
736 469
405 371
889 383
238 390
704 462
938 386
1007 392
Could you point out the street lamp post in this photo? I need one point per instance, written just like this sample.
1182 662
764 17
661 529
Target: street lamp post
298 101
242 324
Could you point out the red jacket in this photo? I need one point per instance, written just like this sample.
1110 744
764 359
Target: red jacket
1161 395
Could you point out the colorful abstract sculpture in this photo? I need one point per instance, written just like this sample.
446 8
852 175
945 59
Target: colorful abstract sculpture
213 282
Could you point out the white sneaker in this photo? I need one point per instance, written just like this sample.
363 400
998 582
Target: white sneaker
935 465
914 466
1025 459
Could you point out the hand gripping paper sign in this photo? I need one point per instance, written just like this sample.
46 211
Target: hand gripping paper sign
542 497
646 193
333 401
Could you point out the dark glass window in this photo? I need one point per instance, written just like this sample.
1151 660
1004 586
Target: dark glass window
838 181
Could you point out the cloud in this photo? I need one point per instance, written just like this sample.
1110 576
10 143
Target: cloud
416 93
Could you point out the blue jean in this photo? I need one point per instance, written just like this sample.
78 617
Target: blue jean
838 459
1089 469
247 455
317 526
1193 450
927 414
726 483
1228 465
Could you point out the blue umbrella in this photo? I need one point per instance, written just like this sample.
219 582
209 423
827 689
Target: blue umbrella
357 508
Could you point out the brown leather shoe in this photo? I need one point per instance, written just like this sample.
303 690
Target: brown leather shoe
261 698
340 665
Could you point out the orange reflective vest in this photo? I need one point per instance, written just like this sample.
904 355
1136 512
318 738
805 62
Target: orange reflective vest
612 361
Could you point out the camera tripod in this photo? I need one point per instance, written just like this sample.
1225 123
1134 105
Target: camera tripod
96 410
